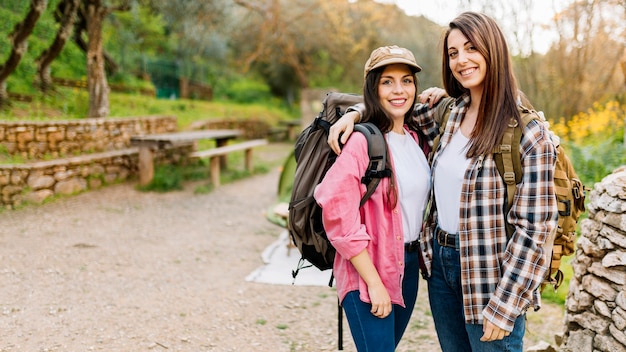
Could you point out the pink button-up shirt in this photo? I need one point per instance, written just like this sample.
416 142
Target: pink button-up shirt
351 229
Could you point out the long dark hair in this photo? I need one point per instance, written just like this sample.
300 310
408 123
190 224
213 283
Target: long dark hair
375 114
498 104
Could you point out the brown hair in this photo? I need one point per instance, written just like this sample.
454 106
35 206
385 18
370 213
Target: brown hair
498 104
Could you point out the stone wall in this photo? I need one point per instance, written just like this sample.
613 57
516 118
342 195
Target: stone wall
36 140
83 154
37 181
596 303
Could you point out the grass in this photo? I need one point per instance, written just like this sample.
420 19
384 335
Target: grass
559 296
172 177
69 103
72 103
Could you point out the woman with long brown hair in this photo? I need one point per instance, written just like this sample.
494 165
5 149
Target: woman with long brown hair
377 262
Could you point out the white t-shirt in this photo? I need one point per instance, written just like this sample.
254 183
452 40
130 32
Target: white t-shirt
412 174
448 178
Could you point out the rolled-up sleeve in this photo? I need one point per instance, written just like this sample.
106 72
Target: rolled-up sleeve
534 216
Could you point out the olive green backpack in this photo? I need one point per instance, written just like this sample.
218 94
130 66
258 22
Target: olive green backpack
570 192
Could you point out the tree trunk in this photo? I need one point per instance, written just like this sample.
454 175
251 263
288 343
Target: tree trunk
110 65
66 12
19 44
96 75
623 64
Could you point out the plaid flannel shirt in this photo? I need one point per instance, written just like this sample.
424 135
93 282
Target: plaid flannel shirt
499 278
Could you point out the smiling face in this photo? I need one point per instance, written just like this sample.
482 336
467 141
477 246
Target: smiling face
396 91
468 66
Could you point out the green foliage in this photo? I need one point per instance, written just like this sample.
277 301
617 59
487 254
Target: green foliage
6 158
247 91
594 140
70 64
560 294
171 177
73 103
131 34
166 178
595 161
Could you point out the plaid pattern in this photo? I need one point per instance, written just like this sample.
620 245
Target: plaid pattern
499 277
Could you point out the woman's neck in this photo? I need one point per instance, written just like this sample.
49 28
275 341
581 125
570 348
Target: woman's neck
398 126
471 115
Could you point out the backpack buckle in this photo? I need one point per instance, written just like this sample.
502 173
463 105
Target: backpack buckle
509 177
568 208
371 174
505 148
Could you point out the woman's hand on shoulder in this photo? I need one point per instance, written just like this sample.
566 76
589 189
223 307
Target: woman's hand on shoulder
432 95
341 130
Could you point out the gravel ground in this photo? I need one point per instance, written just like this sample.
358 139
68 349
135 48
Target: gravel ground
121 270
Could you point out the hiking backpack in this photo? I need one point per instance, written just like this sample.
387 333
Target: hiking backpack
569 190
313 159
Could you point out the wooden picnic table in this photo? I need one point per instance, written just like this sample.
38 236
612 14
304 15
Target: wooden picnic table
294 127
149 143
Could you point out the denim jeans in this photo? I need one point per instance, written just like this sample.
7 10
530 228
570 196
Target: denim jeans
446 303
373 334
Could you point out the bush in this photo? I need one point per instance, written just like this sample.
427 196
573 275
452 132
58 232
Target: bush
166 178
594 141
248 91
594 162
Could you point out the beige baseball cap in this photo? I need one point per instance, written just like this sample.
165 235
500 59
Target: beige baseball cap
386 55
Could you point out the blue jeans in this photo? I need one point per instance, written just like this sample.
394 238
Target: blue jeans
446 303
373 334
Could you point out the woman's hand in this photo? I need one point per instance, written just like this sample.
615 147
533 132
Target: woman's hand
431 96
341 130
491 332
379 297
381 302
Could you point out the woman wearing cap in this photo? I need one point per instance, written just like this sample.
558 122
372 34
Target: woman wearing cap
481 282
376 266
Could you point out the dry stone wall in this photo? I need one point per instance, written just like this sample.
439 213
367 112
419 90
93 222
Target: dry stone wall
596 303
83 154
37 181
36 140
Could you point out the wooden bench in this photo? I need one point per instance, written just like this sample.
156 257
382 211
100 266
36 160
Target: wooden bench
278 134
214 155
148 144
294 127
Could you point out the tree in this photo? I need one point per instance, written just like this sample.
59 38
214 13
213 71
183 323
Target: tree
94 12
199 36
80 32
295 44
65 14
19 37
583 66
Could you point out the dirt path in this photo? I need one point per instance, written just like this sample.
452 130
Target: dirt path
122 270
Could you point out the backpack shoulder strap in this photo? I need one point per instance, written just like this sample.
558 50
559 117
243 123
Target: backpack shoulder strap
377 152
442 117
506 155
